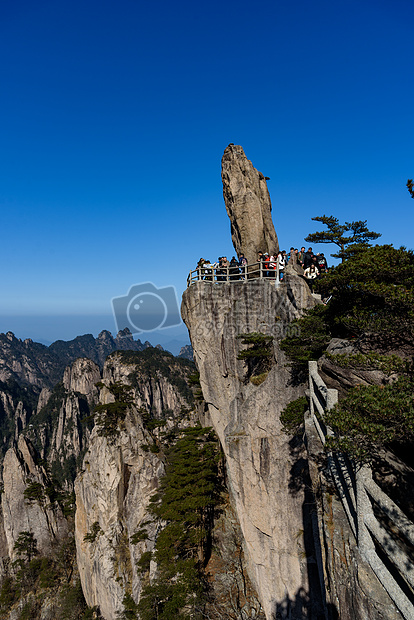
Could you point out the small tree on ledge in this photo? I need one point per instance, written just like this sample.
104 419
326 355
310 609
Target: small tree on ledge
258 356
357 239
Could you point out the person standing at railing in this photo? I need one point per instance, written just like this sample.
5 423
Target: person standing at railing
225 267
308 258
301 257
322 263
199 268
234 269
242 265
272 266
281 259
220 271
207 269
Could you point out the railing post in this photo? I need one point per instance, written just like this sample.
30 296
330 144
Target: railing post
331 399
261 268
313 367
363 507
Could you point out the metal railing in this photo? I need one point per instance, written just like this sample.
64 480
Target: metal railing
217 274
384 535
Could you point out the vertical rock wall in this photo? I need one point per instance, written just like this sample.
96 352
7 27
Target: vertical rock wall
113 492
262 467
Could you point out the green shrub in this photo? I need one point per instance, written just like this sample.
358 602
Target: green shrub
144 562
94 533
9 593
292 416
258 356
109 416
371 417
138 536
35 492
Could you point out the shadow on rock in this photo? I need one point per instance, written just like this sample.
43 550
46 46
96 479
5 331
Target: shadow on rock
299 607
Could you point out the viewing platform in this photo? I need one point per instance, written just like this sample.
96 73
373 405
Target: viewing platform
219 275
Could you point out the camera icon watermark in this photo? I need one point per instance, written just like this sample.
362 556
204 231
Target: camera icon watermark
146 308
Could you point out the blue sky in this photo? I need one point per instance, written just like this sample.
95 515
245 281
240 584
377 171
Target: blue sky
114 118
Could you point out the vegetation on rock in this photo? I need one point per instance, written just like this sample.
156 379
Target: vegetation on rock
292 415
187 502
371 417
109 416
372 304
153 362
258 356
35 578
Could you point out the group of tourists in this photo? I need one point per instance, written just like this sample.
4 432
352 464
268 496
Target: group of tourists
270 265
313 264
222 268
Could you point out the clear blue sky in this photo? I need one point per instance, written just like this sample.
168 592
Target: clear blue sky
115 115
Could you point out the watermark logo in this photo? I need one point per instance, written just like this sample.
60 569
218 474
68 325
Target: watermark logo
146 308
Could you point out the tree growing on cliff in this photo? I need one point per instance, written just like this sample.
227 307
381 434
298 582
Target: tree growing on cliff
350 237
187 502
371 417
258 356
372 303
109 416
410 187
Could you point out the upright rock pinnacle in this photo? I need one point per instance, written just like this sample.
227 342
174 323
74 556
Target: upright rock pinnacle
248 205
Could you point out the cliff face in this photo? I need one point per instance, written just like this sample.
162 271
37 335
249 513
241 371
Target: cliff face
263 470
21 514
120 474
112 497
50 440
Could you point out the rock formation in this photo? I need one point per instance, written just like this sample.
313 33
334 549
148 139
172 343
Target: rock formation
113 492
118 479
263 471
248 205
33 364
20 514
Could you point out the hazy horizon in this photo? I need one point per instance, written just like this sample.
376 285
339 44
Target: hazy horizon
116 116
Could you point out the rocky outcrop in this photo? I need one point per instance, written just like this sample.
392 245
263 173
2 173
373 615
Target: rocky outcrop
26 363
186 352
27 514
120 474
263 469
345 376
82 377
32 364
158 386
112 497
248 205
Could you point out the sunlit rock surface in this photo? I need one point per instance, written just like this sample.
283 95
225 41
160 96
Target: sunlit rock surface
263 470
248 205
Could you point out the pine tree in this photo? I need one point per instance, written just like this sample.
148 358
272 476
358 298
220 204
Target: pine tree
351 237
